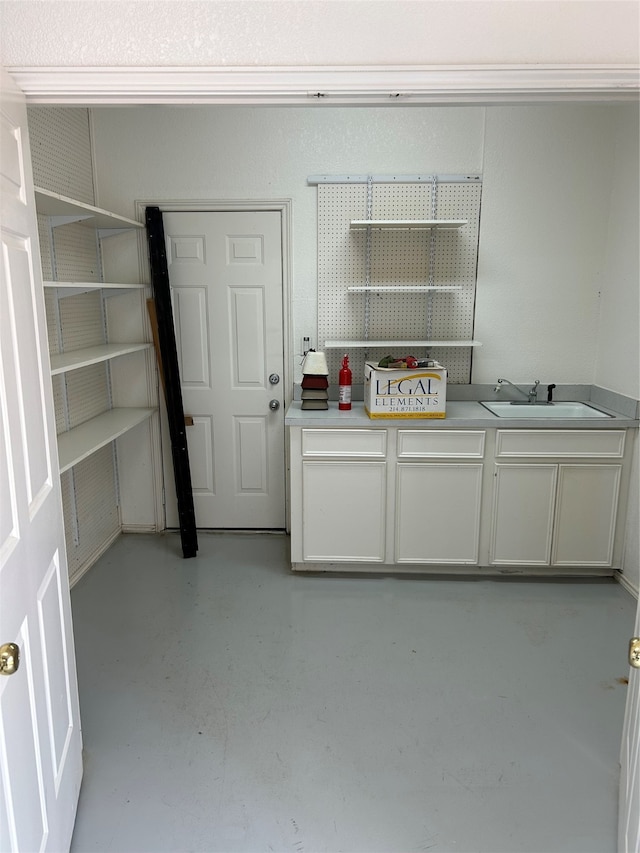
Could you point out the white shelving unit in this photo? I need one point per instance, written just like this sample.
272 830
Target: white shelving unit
75 288
401 288
407 224
82 441
65 210
430 225
66 361
382 344
397 264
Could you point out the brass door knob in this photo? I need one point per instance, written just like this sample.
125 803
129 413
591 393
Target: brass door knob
9 658
634 652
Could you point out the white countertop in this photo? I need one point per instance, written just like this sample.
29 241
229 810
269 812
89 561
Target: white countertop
460 414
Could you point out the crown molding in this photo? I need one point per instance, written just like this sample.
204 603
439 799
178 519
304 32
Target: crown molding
330 86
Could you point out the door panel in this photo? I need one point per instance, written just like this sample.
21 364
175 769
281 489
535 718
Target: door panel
192 338
523 514
344 511
586 515
438 513
40 741
225 270
246 311
629 799
251 454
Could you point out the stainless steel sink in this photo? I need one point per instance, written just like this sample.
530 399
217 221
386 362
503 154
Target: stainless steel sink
509 409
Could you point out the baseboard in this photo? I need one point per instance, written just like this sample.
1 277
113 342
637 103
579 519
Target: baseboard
627 584
139 528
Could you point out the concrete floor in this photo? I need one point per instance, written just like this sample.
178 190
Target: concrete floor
228 705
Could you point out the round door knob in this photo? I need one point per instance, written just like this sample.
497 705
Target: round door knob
274 379
9 658
274 405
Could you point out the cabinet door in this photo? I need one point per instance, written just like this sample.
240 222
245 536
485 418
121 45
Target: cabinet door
523 507
343 511
438 513
586 515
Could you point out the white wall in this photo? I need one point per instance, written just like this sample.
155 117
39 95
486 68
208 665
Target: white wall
319 32
618 354
262 153
618 363
546 202
546 195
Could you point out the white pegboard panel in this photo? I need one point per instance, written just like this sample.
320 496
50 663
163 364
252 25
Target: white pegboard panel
61 158
46 258
87 393
75 254
398 258
97 514
51 309
81 321
61 151
59 402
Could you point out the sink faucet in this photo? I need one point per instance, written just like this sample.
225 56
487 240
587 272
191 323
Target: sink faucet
532 395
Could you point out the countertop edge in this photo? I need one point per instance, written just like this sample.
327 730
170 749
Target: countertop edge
460 414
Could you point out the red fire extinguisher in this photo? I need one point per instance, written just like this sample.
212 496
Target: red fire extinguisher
345 385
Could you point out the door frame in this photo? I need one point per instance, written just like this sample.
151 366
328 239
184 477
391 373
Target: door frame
283 206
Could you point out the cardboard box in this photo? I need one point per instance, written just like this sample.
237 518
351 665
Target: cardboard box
414 393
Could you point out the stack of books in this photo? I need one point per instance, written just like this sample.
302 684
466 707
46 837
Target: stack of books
315 381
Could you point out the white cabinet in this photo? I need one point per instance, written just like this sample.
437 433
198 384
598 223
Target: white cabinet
343 511
437 512
385 496
427 500
524 500
342 495
550 513
586 506
437 503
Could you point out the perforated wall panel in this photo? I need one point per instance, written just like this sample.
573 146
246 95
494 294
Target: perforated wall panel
46 260
397 258
61 151
98 518
75 253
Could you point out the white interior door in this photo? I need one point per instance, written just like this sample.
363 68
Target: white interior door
225 270
629 816
40 740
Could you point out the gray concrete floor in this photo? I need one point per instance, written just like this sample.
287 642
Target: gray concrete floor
228 705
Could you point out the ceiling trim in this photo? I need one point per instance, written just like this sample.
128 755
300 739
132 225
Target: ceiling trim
329 86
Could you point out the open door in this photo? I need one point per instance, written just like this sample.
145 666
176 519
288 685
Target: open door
629 814
40 739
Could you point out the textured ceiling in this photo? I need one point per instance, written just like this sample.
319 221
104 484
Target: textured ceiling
318 32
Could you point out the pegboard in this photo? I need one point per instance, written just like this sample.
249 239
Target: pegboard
61 155
61 151
75 253
91 515
398 258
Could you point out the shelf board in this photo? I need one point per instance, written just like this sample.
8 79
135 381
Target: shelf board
66 361
74 288
65 210
407 224
391 344
402 288
80 442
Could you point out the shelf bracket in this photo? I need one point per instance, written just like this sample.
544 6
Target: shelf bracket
173 392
